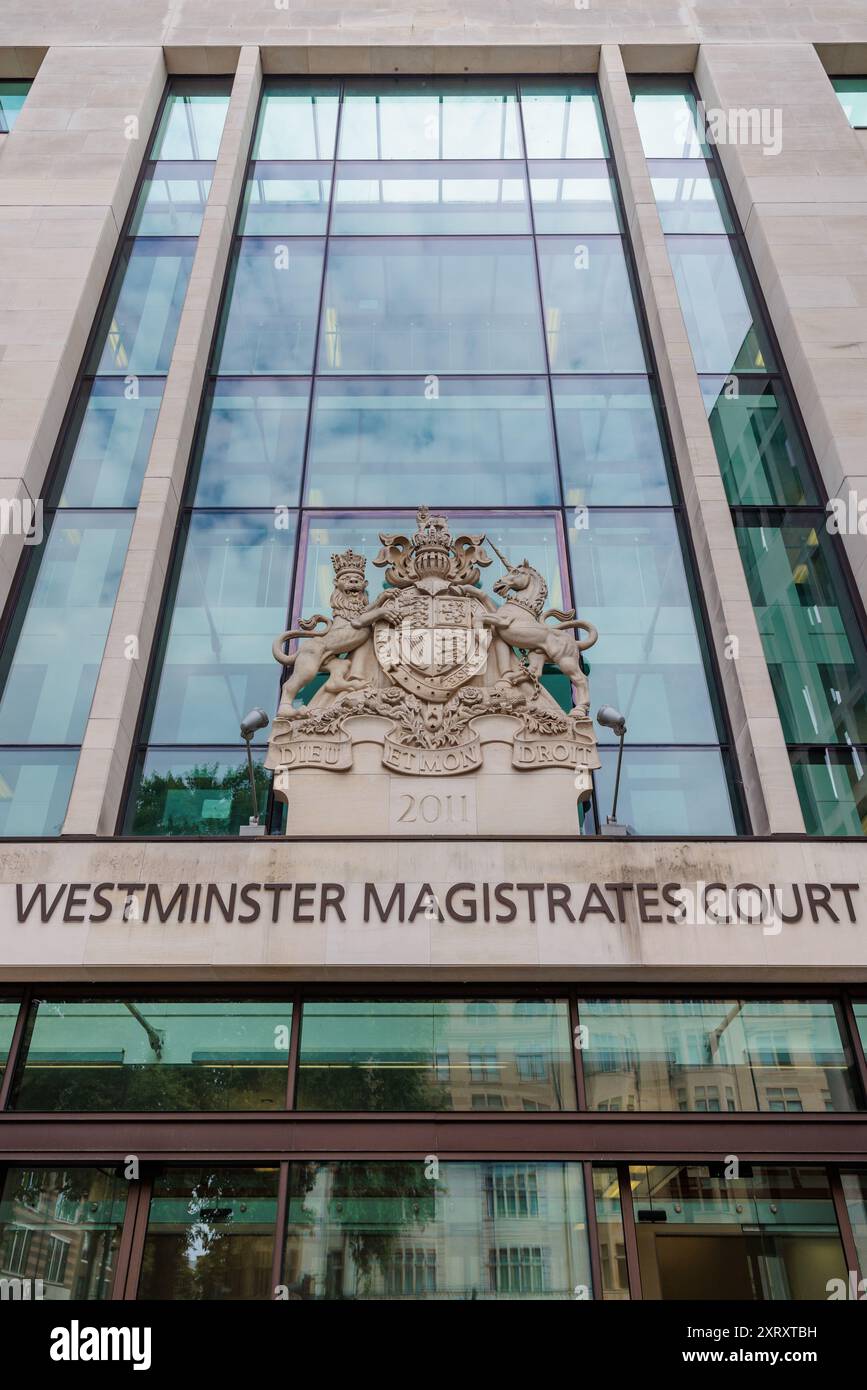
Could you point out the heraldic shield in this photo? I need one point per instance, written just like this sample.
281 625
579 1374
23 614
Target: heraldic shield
433 643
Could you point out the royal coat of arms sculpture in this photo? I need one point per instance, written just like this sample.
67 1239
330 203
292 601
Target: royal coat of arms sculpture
433 678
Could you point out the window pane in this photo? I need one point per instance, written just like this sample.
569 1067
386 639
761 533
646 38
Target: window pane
589 310
12 95
832 787
814 652
286 199
51 669
436 1055
575 197
269 321
770 1235
34 789
562 120
210 1235
156 1054
611 450
62 1226
172 200
855 1192
667 118
609 1224
108 442
8 1019
230 603
535 537
251 443
477 1231
297 120
665 791
689 197
194 791
757 443
430 118
630 581
715 1055
192 121
852 92
140 321
413 198
721 317
466 441
431 306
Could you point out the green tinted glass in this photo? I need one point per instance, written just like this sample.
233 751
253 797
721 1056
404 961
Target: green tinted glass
60 1229
852 92
832 787
189 791
192 122
152 1054
431 118
758 445
436 1055
814 651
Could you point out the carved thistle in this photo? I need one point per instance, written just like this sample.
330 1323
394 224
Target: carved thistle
432 659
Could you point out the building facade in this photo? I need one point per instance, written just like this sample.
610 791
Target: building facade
590 284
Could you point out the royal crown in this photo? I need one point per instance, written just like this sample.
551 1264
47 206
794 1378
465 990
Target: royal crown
433 532
347 562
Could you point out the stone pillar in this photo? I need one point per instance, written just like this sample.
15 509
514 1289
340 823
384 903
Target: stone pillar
96 793
67 173
769 787
804 214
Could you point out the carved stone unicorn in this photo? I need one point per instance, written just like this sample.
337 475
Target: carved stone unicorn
520 622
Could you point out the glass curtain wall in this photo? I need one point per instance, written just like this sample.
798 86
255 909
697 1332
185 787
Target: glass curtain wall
430 299
808 616
852 93
56 636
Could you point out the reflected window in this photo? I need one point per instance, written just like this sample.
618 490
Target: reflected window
415 199
407 1055
769 1235
718 305
108 442
35 784
385 1230
431 306
590 320
155 1054
760 453
431 118
140 321
689 197
282 199
60 1228
629 575
251 443
194 791
191 125
230 603
815 655
52 662
668 119
269 319
573 197
724 1056
667 791
210 1235
562 119
832 788
465 441
610 441
172 199
609 1227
